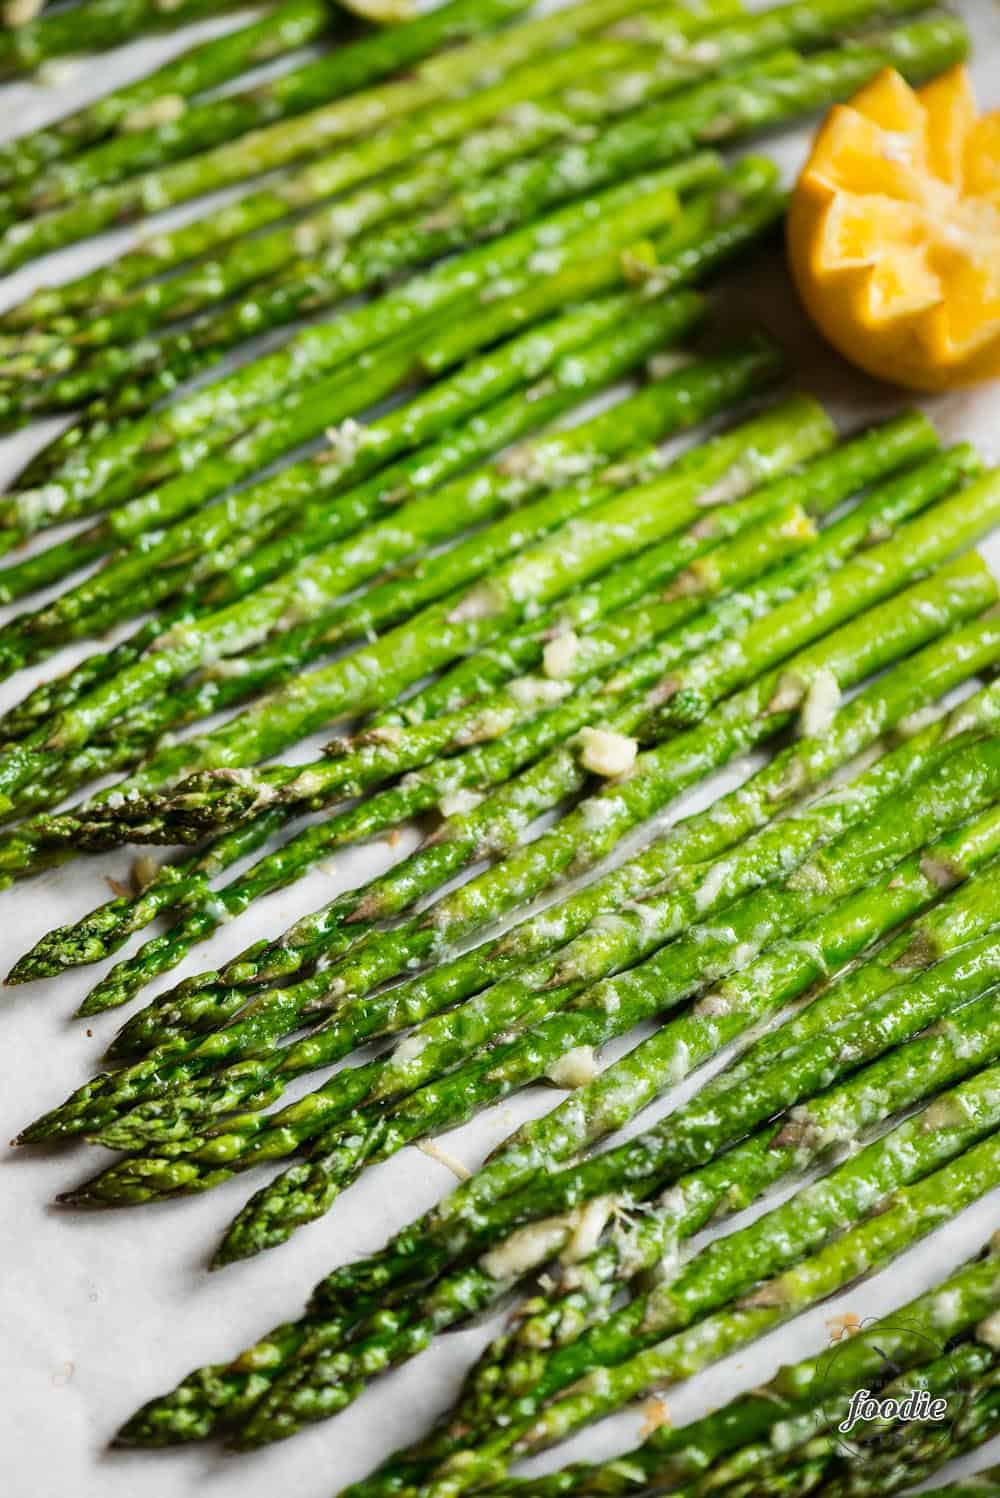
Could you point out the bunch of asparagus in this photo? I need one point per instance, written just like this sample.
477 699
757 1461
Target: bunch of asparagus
452 169
516 609
567 1362
800 898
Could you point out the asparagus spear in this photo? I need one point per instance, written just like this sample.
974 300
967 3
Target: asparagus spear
565 1333
310 282
587 834
105 23
594 955
724 1272
306 287
705 109
319 784
728 1266
215 1396
444 630
890 1471
275 1011
438 1044
214 800
154 143
417 116
107 824
907 1215
579 449
743 105
628 423
759 1471
652 206
416 186
793 773
99 474
355 455
576 1019
546 786
793 1405
161 95
455 1297
760 985
829 480
289 25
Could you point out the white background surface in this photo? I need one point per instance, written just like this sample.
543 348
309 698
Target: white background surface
99 1312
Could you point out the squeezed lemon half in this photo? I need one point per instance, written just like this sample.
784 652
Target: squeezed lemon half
894 232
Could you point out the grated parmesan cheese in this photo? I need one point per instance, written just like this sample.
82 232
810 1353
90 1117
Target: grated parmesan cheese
822 701
537 691
458 803
434 1150
560 655
575 1069
161 111
988 1331
525 1249
588 1223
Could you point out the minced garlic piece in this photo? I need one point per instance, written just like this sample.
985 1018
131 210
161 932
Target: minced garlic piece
606 753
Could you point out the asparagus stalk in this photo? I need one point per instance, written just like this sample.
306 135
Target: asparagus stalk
215 800
742 108
753 101
728 1270
793 1405
507 422
926 991
587 834
307 287
314 786
98 474
289 25
310 282
417 116
415 187
592 956
794 772
761 986
200 1004
557 1337
759 1471
328 781
356 454
546 785
154 143
575 1019
619 527
728 1267
829 481
161 96
905 1217
433 1047
978 1422
275 1012
579 448
653 204
216 1396
106 23
208 124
